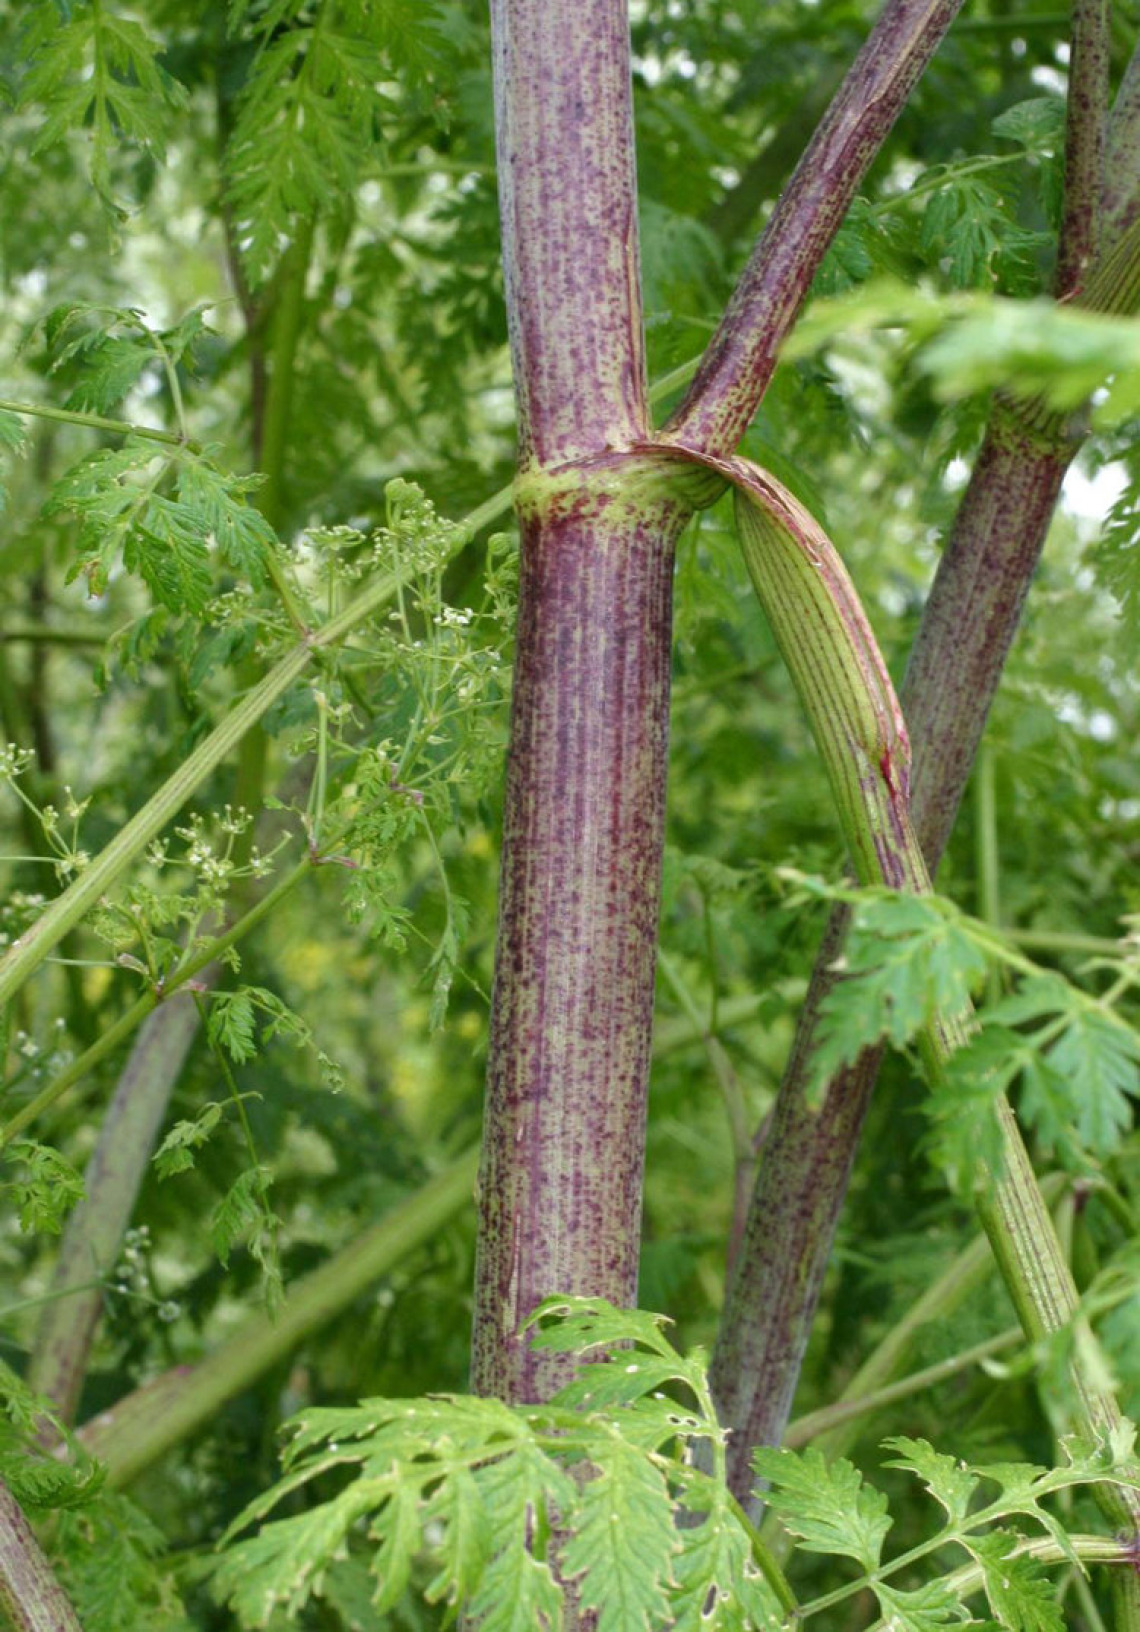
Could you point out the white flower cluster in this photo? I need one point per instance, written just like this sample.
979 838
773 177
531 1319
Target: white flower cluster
14 761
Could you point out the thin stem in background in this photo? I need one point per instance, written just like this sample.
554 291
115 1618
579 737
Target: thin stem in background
95 1229
144 1425
97 422
735 1105
847 1411
969 1271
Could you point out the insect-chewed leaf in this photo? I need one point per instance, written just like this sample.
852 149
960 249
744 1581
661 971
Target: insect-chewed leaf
623 1542
521 1494
619 1380
590 1323
948 1480
518 1592
825 1503
718 1588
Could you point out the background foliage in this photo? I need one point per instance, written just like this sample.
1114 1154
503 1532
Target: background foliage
269 231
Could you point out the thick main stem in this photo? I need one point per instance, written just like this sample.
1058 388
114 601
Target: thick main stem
560 1186
561 1178
568 203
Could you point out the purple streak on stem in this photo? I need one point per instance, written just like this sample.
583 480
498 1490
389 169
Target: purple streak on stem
1087 117
30 1596
564 1133
1120 207
568 202
741 357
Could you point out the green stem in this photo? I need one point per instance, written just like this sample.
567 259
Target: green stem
1094 1621
842 1412
971 1577
1061 942
271 440
143 1006
854 718
963 1277
766 1560
97 422
288 320
986 846
989 887
29 951
43 634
